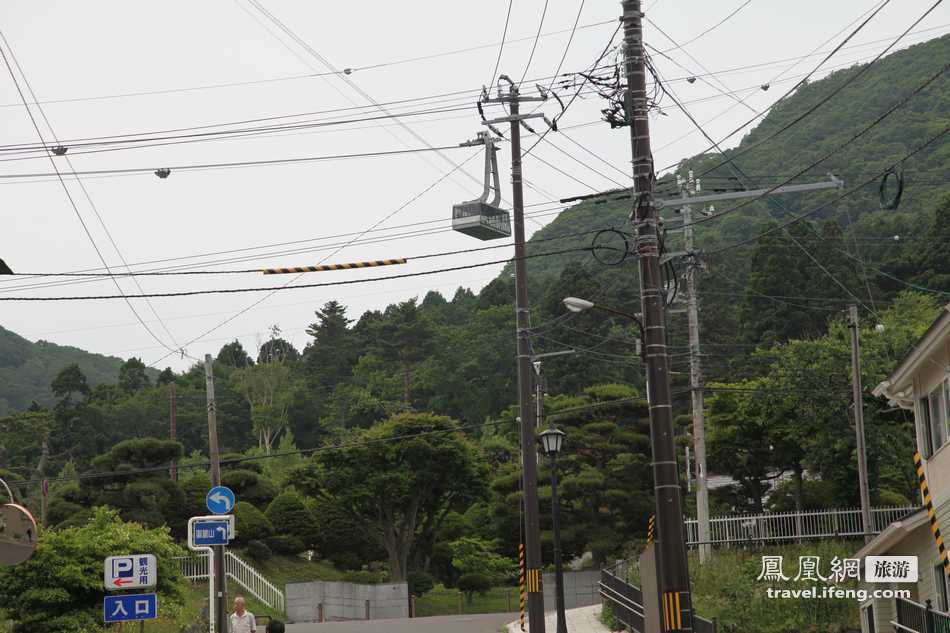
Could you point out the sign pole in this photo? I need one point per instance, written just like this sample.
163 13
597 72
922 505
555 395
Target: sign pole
217 603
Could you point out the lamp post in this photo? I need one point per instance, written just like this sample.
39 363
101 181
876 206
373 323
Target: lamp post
551 441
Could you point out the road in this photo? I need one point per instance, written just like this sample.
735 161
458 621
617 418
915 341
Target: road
488 623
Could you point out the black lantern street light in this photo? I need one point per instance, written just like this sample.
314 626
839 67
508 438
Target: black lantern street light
551 441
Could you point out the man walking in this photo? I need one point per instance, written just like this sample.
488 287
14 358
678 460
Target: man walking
242 620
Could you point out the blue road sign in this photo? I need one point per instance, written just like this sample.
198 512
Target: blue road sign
211 533
220 500
132 607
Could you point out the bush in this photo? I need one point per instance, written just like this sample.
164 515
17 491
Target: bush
364 577
285 544
470 584
420 583
258 551
250 524
288 514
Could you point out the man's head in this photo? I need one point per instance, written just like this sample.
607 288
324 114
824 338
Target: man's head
239 605
274 626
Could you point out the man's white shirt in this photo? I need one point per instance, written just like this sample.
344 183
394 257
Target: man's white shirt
243 623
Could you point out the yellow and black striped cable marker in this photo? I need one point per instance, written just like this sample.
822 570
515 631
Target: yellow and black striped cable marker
534 581
931 513
651 528
326 267
672 615
523 596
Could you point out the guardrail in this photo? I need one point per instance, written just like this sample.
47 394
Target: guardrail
913 617
195 568
626 600
792 526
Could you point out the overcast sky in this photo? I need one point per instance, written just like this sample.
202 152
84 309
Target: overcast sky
84 58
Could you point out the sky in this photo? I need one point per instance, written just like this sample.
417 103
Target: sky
108 68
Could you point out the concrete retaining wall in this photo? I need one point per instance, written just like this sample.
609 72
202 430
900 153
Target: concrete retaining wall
580 589
346 601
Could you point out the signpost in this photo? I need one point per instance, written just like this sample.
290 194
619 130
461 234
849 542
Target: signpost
204 534
130 572
130 607
220 500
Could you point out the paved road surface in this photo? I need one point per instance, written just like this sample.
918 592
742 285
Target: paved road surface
488 623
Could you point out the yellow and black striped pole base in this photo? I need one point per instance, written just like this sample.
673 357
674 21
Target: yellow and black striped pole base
522 580
928 503
651 528
325 267
672 611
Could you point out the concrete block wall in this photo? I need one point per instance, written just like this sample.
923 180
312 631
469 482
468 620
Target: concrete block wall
581 589
346 601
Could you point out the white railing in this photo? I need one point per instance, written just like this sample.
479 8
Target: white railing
791 526
195 567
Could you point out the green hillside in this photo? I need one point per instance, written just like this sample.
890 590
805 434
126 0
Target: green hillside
26 369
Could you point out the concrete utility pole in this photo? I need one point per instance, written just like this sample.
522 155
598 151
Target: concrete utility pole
859 422
220 605
673 571
696 373
689 191
525 369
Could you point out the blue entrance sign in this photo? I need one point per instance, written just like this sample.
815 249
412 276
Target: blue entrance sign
211 532
128 608
220 500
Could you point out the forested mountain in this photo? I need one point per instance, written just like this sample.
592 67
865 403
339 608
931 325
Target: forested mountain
27 369
774 354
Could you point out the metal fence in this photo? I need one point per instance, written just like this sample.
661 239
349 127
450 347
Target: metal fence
195 568
913 617
626 600
791 526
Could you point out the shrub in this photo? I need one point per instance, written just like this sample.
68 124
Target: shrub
285 544
258 551
364 577
470 584
250 523
420 583
288 514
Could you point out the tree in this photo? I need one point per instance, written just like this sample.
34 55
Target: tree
332 353
290 517
395 477
234 355
277 350
166 377
59 589
250 524
70 381
926 265
268 389
404 336
132 376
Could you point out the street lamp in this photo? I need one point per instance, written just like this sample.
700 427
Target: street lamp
576 304
551 441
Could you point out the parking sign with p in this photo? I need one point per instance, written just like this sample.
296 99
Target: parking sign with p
130 572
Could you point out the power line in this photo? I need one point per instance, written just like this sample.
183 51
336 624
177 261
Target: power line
711 28
534 47
570 40
501 47
62 182
217 291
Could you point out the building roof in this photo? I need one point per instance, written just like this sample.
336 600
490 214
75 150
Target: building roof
893 534
898 388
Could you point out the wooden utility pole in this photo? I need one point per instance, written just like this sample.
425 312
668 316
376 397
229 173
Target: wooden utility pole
856 390
673 571
220 604
173 424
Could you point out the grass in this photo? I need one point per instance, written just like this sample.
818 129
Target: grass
725 588
444 601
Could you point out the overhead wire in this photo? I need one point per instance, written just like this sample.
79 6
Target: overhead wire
501 47
534 47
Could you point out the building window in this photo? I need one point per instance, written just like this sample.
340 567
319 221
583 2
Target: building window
940 585
867 615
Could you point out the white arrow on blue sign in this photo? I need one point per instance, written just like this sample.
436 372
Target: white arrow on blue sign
211 532
220 500
131 607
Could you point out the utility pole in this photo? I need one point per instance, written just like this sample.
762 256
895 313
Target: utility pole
220 607
525 370
696 373
672 571
859 422
173 423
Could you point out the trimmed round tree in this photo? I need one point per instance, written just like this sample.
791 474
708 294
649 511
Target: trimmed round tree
250 524
290 517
